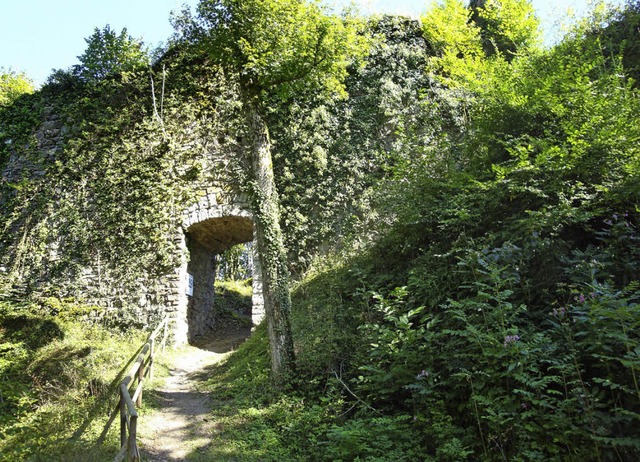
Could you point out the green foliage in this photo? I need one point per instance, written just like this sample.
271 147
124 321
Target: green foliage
331 155
235 263
20 111
507 26
462 37
12 85
57 360
325 322
448 30
109 53
279 46
500 311
509 373
620 38
373 439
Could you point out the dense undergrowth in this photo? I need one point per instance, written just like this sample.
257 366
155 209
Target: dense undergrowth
485 303
390 370
58 380
496 315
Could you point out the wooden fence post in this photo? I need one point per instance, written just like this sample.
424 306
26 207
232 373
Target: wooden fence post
123 420
165 331
140 380
152 352
132 449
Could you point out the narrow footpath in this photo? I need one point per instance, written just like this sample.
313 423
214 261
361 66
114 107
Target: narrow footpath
181 426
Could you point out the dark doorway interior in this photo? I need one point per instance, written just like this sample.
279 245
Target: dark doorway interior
205 240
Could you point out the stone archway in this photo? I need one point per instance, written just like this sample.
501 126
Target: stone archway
209 229
204 240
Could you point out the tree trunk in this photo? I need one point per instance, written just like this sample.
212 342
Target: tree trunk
271 250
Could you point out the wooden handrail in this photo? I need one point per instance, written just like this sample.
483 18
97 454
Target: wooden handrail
127 404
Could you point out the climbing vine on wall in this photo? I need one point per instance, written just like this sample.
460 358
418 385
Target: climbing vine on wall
137 148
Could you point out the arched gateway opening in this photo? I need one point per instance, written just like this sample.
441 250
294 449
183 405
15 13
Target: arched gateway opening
208 231
205 240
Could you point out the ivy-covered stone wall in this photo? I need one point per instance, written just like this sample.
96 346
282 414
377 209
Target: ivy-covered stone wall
219 220
100 187
103 180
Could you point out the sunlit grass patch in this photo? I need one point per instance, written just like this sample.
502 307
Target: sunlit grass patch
58 376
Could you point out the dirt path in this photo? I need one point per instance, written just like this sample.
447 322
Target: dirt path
181 426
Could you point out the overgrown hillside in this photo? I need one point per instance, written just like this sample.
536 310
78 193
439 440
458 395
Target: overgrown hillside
464 227
496 317
60 364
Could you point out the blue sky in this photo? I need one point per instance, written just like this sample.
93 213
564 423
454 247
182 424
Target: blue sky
37 36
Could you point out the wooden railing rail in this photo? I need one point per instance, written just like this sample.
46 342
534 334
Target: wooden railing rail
127 404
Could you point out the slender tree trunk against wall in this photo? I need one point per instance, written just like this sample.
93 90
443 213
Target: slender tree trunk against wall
271 251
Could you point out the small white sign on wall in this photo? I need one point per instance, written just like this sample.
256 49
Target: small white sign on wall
190 285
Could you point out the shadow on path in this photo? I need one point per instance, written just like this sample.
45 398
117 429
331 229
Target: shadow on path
224 340
181 424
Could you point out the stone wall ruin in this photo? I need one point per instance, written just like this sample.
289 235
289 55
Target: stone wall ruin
217 221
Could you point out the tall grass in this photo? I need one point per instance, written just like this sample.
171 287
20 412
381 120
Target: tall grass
58 370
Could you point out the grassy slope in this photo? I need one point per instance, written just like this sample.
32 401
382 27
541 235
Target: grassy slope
318 419
404 353
57 376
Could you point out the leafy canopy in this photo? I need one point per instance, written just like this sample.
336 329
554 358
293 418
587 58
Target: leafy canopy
12 85
109 53
507 26
279 46
447 28
464 38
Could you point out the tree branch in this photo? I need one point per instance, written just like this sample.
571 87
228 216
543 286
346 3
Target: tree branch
354 395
